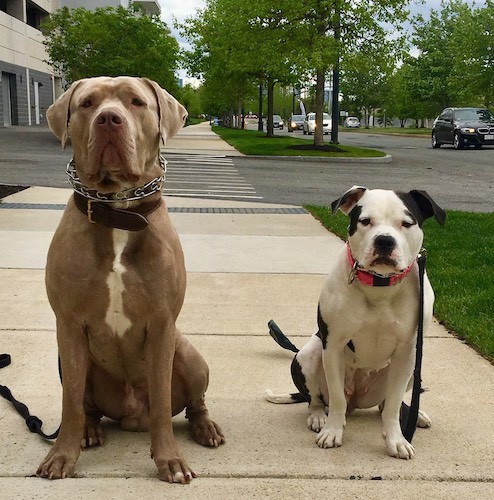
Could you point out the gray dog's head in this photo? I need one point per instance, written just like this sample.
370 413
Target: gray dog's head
115 126
385 231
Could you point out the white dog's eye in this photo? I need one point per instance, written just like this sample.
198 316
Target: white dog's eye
365 222
407 224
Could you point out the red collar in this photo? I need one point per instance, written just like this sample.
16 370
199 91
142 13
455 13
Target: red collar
370 278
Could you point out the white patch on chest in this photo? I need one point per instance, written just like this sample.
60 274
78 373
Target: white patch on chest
115 317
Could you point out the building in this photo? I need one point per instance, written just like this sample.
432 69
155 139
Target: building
27 83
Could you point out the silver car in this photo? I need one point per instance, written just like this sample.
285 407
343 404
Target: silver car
310 123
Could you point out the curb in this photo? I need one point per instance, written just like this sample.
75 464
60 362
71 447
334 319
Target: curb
323 159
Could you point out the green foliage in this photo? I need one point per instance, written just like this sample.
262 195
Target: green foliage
460 266
455 64
237 43
190 97
111 42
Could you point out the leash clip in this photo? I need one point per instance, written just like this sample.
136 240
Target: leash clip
353 273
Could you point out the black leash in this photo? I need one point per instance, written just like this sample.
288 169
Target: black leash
33 423
409 424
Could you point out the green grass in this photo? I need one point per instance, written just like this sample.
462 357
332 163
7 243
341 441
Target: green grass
194 121
250 142
426 132
460 266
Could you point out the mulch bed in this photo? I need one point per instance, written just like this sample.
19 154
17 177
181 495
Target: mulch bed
310 147
8 190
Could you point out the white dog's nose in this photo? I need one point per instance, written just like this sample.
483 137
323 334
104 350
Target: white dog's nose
384 244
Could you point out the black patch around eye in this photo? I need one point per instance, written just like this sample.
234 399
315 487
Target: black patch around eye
413 209
323 328
354 218
414 219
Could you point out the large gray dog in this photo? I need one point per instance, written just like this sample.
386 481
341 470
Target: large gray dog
363 353
116 279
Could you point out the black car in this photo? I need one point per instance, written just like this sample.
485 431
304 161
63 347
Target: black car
463 127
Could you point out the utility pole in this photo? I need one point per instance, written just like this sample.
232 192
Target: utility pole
335 105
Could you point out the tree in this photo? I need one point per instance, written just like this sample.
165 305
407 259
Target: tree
473 66
288 42
235 46
434 65
365 79
110 42
406 94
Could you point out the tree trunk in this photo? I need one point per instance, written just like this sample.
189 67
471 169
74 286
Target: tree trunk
335 98
269 123
318 132
259 116
240 120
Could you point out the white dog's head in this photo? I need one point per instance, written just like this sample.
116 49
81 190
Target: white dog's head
115 126
385 231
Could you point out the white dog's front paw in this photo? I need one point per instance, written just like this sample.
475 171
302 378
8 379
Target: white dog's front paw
399 447
317 420
330 437
423 420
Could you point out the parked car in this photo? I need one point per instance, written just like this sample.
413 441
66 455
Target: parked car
310 123
351 122
463 127
296 123
277 122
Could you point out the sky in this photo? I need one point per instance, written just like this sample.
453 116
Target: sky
180 9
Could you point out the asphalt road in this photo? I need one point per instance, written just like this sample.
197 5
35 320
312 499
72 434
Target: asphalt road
460 180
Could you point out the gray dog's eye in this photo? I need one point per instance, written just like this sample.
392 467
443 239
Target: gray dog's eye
86 103
137 102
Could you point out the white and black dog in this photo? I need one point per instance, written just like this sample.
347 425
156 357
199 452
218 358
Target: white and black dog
364 351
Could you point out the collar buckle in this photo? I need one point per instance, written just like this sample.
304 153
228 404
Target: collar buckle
90 211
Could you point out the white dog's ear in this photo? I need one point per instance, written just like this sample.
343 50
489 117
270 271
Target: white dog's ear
171 113
58 114
423 206
349 199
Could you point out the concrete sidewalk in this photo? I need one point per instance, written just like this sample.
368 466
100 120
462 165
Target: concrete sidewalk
243 270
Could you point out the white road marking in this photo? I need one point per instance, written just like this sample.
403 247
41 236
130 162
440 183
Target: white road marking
209 176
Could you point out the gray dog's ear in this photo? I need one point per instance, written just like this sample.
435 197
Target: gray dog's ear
423 206
58 114
349 199
171 113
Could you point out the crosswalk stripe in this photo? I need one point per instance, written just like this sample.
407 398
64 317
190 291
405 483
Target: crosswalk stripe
204 175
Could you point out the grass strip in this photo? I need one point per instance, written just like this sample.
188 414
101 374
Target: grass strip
460 266
424 132
251 142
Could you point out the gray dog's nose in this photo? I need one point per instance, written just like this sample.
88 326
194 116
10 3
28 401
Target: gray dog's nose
109 118
384 244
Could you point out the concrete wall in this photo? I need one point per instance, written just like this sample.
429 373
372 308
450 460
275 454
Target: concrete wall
23 67
23 71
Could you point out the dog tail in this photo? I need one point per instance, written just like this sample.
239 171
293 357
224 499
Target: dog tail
280 338
287 398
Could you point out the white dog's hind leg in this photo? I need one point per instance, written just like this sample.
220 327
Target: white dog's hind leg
308 365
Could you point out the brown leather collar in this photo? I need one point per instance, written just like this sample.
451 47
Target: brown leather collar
131 219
